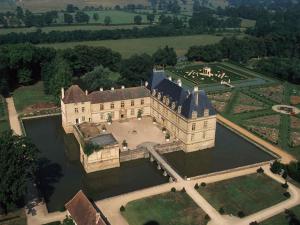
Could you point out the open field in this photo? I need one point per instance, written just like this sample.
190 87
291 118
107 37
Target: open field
246 194
30 95
281 219
4 123
128 47
45 5
4 31
168 208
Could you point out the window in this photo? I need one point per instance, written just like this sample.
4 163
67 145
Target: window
122 104
112 114
132 112
77 121
132 103
112 105
102 116
82 109
205 124
142 101
90 119
101 107
194 126
83 118
76 110
203 135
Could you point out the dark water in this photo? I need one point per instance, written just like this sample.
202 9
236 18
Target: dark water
61 174
230 151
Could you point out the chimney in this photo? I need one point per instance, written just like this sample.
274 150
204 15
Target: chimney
179 83
122 87
170 78
112 89
62 93
101 89
86 92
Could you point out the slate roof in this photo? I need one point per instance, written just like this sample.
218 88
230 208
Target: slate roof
82 211
189 101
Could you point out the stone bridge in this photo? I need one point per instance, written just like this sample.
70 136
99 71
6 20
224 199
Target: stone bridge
162 164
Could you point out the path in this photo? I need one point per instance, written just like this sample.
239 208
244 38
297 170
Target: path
285 157
13 116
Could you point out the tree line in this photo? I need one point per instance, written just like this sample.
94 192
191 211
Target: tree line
25 64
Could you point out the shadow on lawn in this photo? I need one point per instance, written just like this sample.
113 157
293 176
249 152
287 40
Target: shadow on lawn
152 222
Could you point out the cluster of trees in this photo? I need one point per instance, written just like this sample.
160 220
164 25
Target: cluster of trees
292 169
18 166
171 6
27 18
91 67
276 56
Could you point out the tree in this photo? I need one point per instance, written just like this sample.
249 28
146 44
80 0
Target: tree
68 221
83 59
165 56
61 77
99 77
96 16
71 8
18 160
107 20
24 76
82 17
150 18
136 69
68 18
137 19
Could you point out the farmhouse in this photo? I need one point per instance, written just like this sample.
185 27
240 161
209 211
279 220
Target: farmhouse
186 116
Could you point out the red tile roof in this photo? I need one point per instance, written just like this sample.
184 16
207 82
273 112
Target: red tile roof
82 211
74 94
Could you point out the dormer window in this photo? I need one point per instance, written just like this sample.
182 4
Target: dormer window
153 92
179 109
167 101
164 99
173 105
158 96
206 112
194 114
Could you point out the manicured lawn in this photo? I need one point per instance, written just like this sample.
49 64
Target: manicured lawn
4 123
29 95
248 194
128 47
168 208
281 218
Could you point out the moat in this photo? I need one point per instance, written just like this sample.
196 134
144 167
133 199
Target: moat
62 175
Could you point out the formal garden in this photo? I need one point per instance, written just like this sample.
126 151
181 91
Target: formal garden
251 108
174 207
244 195
207 74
